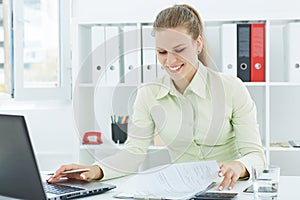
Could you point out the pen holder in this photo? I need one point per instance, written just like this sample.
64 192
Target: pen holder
119 132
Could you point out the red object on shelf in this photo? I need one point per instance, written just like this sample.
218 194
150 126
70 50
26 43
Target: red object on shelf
92 137
257 55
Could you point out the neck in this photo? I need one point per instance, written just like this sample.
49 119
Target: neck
182 84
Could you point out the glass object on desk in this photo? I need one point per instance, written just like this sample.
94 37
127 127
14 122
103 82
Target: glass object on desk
265 181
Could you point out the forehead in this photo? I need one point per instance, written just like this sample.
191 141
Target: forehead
171 37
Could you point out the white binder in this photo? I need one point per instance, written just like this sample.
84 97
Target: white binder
132 55
160 70
98 55
291 50
229 49
149 54
112 55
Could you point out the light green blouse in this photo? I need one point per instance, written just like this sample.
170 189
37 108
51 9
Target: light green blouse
215 119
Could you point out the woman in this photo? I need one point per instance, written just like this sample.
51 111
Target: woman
200 114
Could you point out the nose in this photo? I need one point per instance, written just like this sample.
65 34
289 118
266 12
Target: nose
171 58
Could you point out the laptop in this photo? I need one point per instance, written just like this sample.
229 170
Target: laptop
19 173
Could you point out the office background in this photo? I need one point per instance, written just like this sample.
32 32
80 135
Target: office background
51 123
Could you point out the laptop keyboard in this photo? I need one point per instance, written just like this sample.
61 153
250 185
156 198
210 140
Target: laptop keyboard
59 189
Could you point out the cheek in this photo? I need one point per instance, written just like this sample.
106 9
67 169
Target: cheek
161 59
189 56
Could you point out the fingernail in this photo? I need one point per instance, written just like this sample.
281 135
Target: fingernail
221 188
83 176
49 180
229 188
220 174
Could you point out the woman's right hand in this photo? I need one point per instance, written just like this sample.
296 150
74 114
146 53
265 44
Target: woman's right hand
94 173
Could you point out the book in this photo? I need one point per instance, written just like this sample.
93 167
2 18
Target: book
171 181
294 143
291 50
279 144
229 49
243 52
257 53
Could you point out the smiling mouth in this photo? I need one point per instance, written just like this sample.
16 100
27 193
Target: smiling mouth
177 68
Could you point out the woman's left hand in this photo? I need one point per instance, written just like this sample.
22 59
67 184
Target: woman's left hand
231 171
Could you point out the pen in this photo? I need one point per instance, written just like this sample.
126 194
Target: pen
112 119
72 171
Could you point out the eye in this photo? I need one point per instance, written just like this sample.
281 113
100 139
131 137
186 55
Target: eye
162 52
179 50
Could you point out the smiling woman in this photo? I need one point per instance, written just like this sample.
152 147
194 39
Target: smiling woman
199 114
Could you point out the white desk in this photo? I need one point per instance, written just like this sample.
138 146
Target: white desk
288 189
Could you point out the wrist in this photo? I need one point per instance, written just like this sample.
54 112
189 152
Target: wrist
245 172
98 172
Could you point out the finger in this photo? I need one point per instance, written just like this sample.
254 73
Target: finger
59 173
222 171
233 182
221 164
64 168
85 176
95 172
227 178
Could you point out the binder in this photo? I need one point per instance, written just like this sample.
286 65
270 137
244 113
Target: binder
112 53
243 52
98 55
131 55
257 53
148 54
291 49
161 72
213 38
229 49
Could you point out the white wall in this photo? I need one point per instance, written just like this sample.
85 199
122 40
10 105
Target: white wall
51 128
145 11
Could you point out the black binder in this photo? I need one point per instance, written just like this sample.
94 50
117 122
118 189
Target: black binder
243 52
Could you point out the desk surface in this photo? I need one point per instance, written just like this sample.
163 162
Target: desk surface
288 189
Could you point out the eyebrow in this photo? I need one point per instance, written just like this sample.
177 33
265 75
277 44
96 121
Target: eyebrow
179 45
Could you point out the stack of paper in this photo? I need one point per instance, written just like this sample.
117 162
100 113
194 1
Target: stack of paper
173 181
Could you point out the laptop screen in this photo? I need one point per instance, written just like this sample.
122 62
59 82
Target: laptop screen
19 173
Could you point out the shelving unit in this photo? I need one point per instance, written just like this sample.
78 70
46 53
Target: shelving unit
277 99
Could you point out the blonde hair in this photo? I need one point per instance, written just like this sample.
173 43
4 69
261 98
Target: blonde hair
183 16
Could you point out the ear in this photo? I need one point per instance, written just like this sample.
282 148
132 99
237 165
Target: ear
199 42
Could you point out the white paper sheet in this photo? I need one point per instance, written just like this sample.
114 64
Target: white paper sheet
174 181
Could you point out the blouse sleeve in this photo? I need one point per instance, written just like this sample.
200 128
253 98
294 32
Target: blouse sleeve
140 135
244 122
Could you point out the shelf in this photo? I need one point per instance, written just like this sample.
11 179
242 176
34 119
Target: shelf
271 84
283 149
120 146
250 84
91 85
86 85
283 84
255 83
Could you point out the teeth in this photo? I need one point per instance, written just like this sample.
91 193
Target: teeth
174 68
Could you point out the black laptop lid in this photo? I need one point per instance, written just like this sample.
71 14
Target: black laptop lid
19 175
